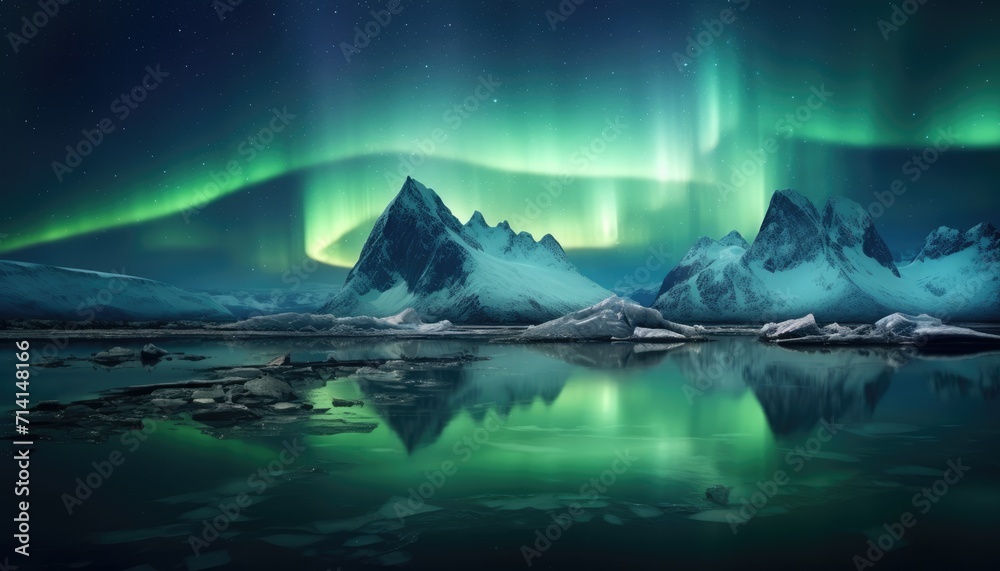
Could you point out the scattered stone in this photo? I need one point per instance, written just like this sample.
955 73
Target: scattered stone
282 361
169 403
204 401
151 351
268 387
172 393
245 373
718 494
236 393
115 356
347 402
215 393
285 406
226 414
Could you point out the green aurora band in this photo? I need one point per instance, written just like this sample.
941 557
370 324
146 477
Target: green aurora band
543 156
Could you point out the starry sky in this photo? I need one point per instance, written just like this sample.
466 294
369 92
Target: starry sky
213 145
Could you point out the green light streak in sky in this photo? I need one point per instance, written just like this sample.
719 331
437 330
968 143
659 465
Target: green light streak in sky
657 181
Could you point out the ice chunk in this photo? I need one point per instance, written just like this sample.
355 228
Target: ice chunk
612 318
405 321
897 328
792 329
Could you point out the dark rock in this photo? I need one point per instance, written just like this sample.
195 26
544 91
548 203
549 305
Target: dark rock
718 494
268 387
225 414
115 355
347 402
215 393
151 351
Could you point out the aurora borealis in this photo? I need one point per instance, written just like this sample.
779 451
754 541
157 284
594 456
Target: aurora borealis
605 126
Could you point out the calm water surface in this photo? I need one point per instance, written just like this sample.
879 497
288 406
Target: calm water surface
607 449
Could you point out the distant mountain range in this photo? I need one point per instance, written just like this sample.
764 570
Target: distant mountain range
32 291
835 265
419 255
829 262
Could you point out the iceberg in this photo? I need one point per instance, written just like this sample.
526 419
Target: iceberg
613 318
405 321
897 328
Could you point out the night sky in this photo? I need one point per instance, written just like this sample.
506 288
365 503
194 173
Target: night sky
607 131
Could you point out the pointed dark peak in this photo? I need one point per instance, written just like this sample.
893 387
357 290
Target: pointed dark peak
550 243
983 230
503 225
790 199
790 234
413 188
525 235
734 238
848 224
943 242
702 243
477 220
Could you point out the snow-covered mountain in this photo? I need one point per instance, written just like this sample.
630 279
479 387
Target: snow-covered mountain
419 255
834 265
33 291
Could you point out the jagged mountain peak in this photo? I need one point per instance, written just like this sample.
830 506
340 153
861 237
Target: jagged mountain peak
734 238
849 225
984 231
835 265
477 221
419 255
790 234
943 241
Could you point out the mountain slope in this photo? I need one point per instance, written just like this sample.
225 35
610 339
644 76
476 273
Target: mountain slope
33 291
419 255
835 265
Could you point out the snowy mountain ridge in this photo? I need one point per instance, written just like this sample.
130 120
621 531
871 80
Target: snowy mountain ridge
419 255
834 265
